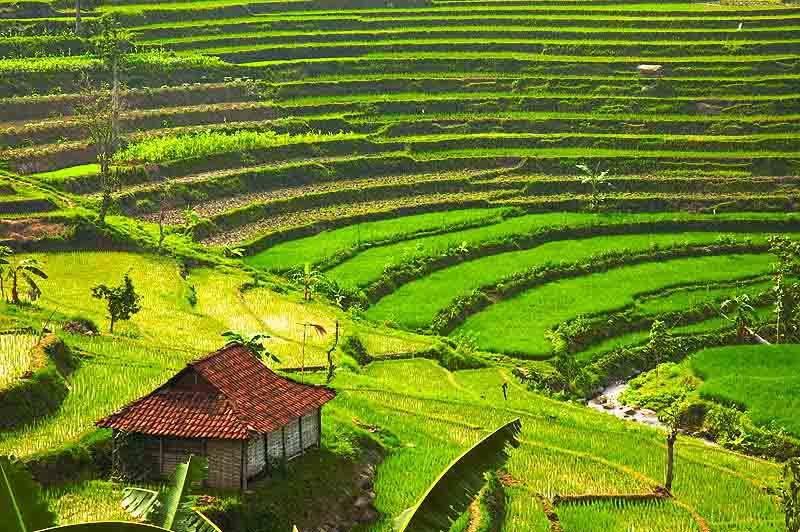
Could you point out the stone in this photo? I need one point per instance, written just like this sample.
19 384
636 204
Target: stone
650 70
708 109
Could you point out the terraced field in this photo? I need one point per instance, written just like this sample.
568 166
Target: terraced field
520 181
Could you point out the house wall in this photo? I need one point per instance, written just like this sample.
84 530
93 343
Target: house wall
224 463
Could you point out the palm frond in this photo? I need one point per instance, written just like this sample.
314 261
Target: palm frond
197 522
34 270
22 508
450 495
139 502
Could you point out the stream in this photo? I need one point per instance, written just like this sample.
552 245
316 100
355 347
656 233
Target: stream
608 402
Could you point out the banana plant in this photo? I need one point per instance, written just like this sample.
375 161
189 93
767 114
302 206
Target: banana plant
22 508
451 494
172 508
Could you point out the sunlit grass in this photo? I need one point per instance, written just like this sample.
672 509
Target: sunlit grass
15 356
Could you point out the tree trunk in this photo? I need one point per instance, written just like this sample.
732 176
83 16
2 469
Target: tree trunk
161 222
2 286
115 107
106 205
111 329
670 459
331 367
14 292
77 17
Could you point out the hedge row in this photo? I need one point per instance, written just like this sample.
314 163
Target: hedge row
476 83
265 241
41 45
42 390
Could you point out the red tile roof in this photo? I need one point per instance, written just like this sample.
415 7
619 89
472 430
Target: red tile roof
245 396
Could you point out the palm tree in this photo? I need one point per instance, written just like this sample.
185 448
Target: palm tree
739 311
596 180
308 277
26 269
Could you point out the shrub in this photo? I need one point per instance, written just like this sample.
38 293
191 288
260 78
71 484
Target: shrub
353 347
449 356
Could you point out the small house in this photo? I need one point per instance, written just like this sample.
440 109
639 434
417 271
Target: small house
230 408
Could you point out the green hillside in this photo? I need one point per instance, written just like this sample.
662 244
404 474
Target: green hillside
455 213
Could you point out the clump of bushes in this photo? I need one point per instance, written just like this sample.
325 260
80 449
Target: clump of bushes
43 390
353 347
454 357
80 325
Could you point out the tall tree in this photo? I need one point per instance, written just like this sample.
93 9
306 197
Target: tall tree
672 417
122 300
102 115
97 116
26 270
787 292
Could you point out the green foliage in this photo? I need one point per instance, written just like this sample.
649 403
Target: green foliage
254 342
172 507
18 270
353 347
790 494
209 142
122 301
762 379
21 505
454 357
457 486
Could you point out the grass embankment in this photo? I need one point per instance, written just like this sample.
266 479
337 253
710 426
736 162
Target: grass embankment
432 413
764 380
325 245
675 301
406 307
518 325
168 332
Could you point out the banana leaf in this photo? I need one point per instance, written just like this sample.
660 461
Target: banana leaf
22 508
139 502
172 508
451 494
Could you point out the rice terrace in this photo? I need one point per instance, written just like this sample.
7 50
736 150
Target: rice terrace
399 265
